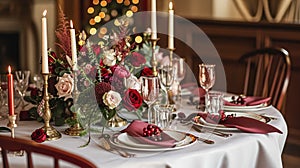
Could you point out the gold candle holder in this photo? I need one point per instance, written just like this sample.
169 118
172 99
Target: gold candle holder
171 55
52 133
12 124
76 129
154 61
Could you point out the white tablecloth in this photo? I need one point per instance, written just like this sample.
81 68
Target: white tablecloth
245 150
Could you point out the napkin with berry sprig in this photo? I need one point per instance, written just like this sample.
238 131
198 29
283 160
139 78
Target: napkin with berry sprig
247 101
149 134
245 124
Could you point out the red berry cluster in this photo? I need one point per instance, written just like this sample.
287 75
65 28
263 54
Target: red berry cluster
240 100
153 132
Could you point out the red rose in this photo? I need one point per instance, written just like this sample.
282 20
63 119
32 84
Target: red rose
105 72
147 72
39 135
137 59
132 100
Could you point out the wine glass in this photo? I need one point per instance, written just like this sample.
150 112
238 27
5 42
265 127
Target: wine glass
207 78
22 80
166 77
150 92
179 71
3 96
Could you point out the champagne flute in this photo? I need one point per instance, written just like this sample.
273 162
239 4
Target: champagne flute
22 78
166 77
150 92
207 79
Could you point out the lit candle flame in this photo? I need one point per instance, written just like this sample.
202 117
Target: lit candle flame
45 13
71 24
171 5
9 69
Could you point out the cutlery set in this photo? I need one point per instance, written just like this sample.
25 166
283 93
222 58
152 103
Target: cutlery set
106 145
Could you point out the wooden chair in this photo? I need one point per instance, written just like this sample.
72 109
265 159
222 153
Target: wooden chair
17 144
268 72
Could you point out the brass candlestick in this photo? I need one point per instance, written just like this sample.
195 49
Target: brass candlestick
154 61
171 55
12 124
76 129
52 133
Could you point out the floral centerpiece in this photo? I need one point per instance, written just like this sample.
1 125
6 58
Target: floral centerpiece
111 66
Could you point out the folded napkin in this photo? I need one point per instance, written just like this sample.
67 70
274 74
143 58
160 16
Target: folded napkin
135 129
249 101
245 124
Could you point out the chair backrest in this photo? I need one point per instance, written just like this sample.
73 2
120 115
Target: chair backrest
268 72
28 146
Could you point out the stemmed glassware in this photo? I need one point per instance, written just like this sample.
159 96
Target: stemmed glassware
207 78
150 92
179 71
166 77
3 96
22 81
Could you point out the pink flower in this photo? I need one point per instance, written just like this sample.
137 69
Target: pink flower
65 86
96 49
121 72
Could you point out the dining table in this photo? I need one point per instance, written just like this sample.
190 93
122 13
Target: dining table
242 149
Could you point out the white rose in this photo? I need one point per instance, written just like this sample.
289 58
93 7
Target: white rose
133 83
65 86
109 58
112 99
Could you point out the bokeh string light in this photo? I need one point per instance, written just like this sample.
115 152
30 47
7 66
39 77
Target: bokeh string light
102 11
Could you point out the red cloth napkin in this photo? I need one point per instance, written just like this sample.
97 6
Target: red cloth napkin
135 129
245 124
250 101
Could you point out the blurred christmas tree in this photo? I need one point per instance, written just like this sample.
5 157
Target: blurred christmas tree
102 11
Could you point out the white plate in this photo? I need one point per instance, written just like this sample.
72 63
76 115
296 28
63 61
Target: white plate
131 141
205 124
245 109
183 140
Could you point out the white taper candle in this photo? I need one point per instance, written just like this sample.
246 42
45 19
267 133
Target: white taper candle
45 67
153 20
171 26
73 46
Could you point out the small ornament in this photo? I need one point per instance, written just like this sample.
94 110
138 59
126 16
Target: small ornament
153 132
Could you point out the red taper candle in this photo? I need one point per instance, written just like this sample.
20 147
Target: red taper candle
10 80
